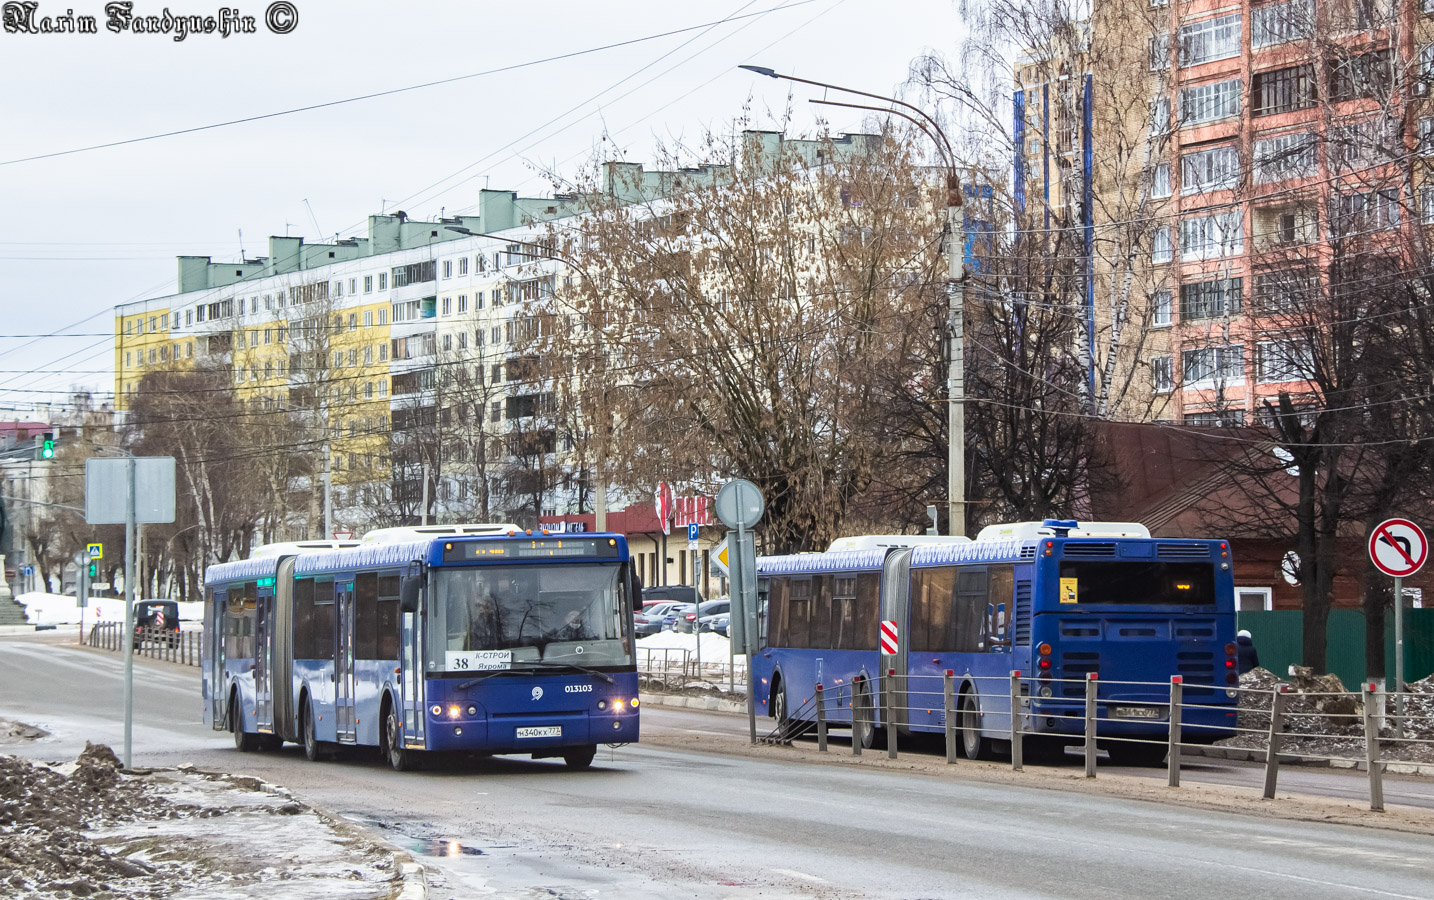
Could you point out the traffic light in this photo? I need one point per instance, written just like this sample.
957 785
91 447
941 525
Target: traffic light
94 569
47 446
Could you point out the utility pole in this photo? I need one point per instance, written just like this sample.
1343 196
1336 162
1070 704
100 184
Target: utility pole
129 597
955 292
423 509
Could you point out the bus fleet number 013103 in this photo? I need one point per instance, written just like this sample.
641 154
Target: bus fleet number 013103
577 688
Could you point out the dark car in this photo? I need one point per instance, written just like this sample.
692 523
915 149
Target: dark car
673 593
156 620
720 624
675 614
693 619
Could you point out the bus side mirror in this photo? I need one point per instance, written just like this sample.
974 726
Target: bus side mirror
409 587
634 588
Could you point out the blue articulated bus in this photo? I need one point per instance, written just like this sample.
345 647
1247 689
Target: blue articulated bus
1054 600
481 644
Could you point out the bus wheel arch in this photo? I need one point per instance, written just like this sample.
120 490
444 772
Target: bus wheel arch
778 689
391 745
314 748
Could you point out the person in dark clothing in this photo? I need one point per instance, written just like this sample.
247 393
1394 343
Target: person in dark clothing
574 628
1246 657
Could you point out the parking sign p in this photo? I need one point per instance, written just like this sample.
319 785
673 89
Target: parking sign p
692 531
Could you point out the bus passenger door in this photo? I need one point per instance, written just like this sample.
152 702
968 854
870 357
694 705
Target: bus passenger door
344 660
213 652
263 655
896 606
411 681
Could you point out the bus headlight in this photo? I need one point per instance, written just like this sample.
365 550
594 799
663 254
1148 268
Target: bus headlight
453 712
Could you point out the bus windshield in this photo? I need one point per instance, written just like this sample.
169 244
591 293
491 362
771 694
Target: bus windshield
1131 583
499 617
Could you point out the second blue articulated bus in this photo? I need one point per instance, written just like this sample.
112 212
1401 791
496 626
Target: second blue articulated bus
1054 600
463 639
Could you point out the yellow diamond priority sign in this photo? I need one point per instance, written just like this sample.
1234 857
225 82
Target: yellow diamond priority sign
719 559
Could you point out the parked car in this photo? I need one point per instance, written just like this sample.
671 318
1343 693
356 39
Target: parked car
156 620
719 624
649 621
692 620
675 614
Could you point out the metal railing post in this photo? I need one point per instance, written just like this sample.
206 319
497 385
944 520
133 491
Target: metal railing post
1173 759
1016 755
1090 684
821 721
1371 752
858 715
950 691
890 718
1272 746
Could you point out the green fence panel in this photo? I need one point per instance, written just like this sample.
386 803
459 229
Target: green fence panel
1278 636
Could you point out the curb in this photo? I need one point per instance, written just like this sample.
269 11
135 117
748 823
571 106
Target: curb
414 884
713 704
1238 754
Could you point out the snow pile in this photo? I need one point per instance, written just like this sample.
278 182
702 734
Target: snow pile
1323 718
90 829
714 646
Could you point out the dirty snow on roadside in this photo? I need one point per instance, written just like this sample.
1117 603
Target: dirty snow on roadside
89 830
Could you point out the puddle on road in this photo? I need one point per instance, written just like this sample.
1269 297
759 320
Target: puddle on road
441 848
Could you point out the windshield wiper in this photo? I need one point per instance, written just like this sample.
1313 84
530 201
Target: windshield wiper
562 665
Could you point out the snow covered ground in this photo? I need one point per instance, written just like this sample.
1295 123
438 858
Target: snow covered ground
62 609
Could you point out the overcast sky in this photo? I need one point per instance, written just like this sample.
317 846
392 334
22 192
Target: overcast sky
82 232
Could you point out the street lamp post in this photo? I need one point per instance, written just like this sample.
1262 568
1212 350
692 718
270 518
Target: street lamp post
955 286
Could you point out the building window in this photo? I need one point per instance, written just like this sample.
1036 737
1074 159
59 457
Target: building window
383 316
1216 418
1288 360
1159 52
447 306
1159 118
1211 39
189 317
368 318
448 268
353 285
1225 364
1367 212
368 284
478 300
338 288
353 321
495 411
1210 101
448 342
1160 181
383 281
1216 169
383 352
497 334
1284 156
1284 289
382 387
1160 247
127 365
1160 308
1280 23
463 266
189 350
1210 299
462 304
462 340
1162 375
1426 206
1363 143
1212 236
1283 90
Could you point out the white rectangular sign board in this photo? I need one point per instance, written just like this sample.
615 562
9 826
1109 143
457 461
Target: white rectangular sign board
478 660
107 489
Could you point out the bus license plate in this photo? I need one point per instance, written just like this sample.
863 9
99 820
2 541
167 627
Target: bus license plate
537 731
1138 712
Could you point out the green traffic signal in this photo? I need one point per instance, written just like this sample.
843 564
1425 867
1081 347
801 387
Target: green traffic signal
94 569
47 449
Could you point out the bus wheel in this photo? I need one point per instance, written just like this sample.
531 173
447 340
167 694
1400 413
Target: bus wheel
400 757
863 730
580 757
786 728
244 742
314 748
973 745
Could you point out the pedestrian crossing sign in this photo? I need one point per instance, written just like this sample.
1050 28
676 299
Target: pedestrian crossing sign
95 551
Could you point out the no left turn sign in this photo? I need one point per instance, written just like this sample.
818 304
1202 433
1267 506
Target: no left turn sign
1398 547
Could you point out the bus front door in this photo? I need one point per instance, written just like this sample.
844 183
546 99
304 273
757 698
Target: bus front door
263 655
344 662
213 653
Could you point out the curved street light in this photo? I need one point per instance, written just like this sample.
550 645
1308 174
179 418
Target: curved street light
955 290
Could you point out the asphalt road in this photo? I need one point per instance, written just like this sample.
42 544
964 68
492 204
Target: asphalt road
649 821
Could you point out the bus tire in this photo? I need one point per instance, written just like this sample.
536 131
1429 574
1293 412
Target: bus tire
580 757
244 742
786 728
863 730
973 745
400 757
314 748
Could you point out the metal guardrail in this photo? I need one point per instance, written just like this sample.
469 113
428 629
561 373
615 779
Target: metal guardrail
1381 731
156 643
676 667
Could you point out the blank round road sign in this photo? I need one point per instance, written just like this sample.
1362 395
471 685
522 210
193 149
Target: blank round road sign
1398 547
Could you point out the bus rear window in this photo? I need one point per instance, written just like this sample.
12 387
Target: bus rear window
1138 583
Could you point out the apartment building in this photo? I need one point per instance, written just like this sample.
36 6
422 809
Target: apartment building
395 359
1279 154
